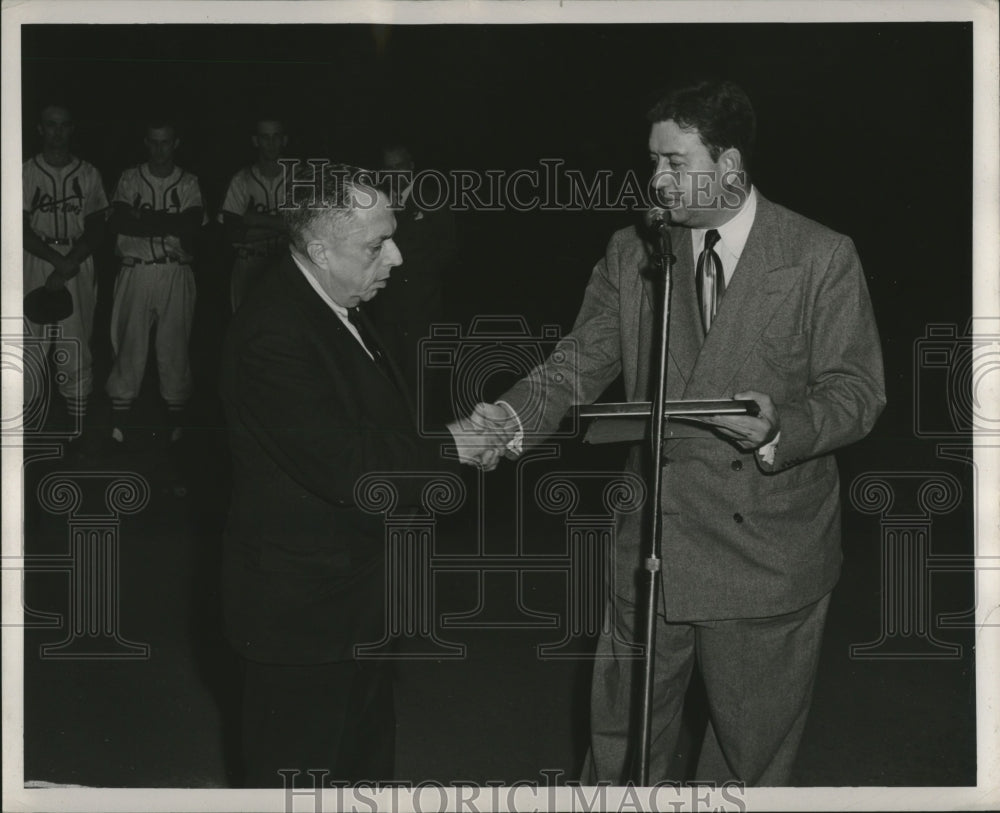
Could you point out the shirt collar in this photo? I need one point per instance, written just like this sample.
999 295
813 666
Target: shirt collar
734 233
340 310
40 158
145 170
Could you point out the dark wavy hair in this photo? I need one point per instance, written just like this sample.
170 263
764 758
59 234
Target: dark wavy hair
720 111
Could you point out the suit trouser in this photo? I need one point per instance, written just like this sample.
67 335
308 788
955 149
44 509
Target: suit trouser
758 674
335 717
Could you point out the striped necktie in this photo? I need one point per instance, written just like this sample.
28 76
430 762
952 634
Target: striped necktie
709 280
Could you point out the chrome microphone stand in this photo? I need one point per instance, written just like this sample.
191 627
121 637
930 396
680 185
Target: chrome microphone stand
662 265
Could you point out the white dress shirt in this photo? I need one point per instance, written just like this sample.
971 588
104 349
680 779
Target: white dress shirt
732 240
340 310
732 237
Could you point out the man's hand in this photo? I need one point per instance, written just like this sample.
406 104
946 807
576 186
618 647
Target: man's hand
482 437
504 416
746 432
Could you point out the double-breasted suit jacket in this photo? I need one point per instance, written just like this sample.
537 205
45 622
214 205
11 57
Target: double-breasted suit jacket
741 538
309 413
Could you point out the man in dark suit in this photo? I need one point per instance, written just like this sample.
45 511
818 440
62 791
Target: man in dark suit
765 305
313 405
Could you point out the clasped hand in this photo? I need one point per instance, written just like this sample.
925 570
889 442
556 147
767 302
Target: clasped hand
483 436
749 432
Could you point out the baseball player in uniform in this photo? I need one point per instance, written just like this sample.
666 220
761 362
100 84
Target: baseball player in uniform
250 210
157 210
65 209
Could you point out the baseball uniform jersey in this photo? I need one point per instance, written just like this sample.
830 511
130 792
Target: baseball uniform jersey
155 287
250 191
56 203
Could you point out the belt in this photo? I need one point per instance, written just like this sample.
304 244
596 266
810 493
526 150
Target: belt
130 261
59 241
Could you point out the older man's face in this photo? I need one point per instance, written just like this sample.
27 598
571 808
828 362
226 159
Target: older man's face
357 254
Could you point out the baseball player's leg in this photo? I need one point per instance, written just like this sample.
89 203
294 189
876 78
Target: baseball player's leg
34 364
175 308
35 367
131 319
36 271
238 282
76 376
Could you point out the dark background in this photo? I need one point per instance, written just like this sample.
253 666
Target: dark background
863 127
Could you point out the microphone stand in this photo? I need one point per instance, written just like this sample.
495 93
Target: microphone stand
663 262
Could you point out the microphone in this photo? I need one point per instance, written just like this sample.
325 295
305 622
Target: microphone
657 222
657 218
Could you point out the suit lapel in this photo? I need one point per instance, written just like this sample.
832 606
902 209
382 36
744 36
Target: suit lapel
395 376
757 288
315 308
685 326
336 332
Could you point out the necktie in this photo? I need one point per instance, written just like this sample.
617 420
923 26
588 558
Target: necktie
360 322
709 280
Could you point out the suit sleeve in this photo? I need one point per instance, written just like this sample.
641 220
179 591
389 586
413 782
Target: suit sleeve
306 422
845 392
582 365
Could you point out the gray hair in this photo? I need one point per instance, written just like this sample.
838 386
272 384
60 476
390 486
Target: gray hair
321 194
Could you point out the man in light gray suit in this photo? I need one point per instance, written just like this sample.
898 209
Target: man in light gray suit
765 305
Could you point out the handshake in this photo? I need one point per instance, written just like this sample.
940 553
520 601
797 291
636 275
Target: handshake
486 435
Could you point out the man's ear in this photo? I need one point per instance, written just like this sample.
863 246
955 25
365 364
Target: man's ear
731 160
317 253
255 141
